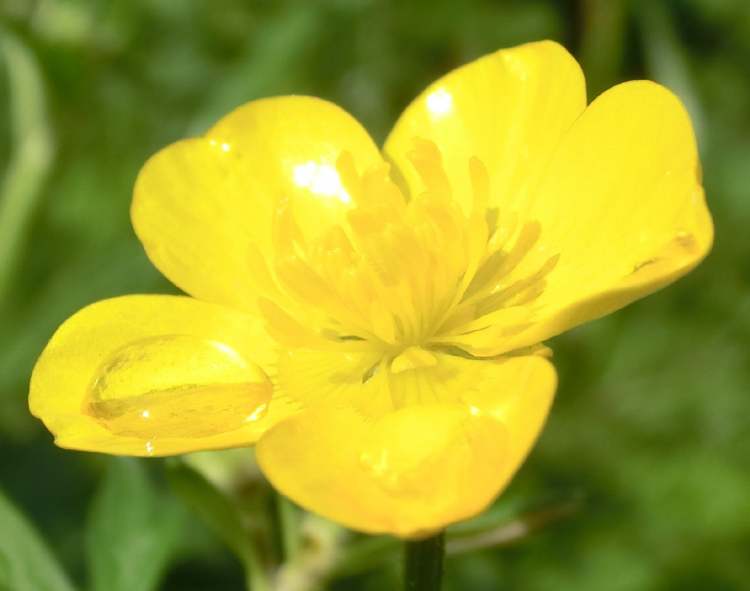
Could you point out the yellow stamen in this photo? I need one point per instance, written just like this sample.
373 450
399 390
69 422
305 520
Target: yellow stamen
413 358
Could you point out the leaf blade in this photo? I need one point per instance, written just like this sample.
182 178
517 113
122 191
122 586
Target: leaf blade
133 532
222 516
26 563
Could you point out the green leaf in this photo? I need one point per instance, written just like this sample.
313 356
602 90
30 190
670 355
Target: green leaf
33 151
667 59
133 531
222 516
26 564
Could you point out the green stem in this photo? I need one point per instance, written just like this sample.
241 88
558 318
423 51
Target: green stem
255 577
289 526
423 562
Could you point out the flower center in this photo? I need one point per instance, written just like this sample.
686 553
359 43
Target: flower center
402 277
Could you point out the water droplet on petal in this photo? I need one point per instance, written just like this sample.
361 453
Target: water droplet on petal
177 386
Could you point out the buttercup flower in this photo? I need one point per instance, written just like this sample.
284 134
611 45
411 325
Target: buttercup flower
373 319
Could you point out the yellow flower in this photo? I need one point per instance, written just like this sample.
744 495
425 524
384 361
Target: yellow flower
373 319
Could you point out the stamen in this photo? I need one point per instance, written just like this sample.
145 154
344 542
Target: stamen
517 288
427 161
480 184
413 358
402 274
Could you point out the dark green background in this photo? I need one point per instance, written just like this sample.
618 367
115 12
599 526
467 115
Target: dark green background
649 435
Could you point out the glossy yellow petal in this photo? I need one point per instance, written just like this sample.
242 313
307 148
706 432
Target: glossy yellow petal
423 466
204 208
508 109
155 375
621 210
522 407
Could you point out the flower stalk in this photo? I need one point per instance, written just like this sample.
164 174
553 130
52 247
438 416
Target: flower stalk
288 528
423 563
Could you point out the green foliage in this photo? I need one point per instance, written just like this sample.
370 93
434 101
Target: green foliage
650 423
133 531
31 158
221 513
26 564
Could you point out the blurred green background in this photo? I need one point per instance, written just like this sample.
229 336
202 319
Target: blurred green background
641 480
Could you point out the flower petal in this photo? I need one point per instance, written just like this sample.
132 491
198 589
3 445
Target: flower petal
509 109
201 206
623 207
419 468
155 375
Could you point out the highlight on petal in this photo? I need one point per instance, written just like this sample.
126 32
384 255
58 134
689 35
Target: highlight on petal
423 465
203 208
508 109
155 375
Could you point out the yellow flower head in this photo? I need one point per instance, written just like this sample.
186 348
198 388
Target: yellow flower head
372 318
